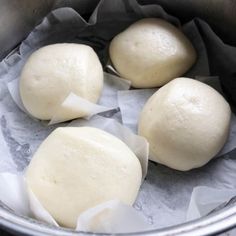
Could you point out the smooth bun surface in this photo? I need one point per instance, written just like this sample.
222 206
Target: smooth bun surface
151 52
186 123
53 71
76 168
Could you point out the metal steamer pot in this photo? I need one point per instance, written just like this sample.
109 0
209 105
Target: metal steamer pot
17 19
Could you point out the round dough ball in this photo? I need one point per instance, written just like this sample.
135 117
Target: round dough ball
53 71
186 123
77 168
151 52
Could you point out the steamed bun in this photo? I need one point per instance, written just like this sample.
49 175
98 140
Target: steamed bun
186 123
53 71
77 168
151 52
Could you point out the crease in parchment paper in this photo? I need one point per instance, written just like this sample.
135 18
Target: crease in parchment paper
112 217
205 199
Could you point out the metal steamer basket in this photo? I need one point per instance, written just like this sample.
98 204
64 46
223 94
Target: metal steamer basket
17 19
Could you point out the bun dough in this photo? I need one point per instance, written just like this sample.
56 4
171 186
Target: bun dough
151 52
77 168
53 71
186 123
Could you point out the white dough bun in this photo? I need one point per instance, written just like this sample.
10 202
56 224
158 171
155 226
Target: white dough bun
186 123
77 168
151 52
52 72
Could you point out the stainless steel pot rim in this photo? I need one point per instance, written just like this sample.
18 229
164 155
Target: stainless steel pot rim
217 222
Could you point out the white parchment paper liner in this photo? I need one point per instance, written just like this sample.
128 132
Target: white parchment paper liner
165 193
112 217
14 193
206 199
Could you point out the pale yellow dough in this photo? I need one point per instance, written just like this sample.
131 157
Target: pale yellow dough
151 52
53 71
186 123
77 168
